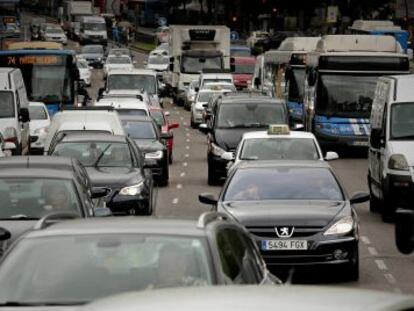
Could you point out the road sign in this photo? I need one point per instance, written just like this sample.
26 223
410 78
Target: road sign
162 21
234 35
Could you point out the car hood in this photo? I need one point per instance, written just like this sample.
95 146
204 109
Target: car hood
114 177
16 228
90 55
404 147
149 145
282 213
230 138
38 124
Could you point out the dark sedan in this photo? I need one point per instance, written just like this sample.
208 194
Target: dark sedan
297 211
144 131
115 163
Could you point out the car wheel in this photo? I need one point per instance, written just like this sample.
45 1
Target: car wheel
165 176
352 272
374 202
211 178
388 211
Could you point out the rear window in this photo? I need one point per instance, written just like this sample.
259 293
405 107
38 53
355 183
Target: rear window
132 112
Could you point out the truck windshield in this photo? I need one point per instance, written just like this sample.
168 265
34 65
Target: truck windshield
147 83
195 64
402 121
345 95
296 85
94 26
6 104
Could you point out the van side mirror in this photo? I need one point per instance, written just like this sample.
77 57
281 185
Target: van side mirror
404 230
24 115
376 138
359 197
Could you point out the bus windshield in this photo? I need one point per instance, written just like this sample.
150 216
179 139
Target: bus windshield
345 95
48 78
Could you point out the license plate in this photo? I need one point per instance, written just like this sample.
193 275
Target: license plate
363 143
275 245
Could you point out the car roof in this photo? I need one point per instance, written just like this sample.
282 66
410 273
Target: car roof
283 163
127 104
36 172
248 297
122 225
45 162
95 137
265 134
402 88
250 98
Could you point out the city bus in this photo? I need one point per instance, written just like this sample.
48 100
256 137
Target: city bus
341 77
50 76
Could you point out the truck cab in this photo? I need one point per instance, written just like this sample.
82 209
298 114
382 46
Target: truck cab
391 146
14 111
93 30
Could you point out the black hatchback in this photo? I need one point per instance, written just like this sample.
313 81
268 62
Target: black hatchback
115 163
297 211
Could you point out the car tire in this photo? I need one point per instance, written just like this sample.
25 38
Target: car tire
164 179
352 272
374 202
211 178
388 211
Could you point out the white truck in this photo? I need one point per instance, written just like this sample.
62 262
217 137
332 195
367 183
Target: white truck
73 11
193 49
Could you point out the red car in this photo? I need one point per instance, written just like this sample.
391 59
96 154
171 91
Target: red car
160 117
243 71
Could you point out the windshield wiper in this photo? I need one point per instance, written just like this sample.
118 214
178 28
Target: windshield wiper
34 304
101 156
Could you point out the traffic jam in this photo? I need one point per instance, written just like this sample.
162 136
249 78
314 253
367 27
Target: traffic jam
165 177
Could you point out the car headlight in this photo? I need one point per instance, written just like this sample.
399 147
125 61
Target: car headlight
398 162
154 155
41 131
342 226
132 190
216 150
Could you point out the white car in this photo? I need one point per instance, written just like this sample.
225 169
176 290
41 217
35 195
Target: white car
158 61
39 126
215 77
85 71
278 143
125 105
55 34
198 107
217 86
118 62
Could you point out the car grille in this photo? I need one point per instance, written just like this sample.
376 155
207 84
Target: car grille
269 232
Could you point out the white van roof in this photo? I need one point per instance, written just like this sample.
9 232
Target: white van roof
372 25
4 78
403 88
358 43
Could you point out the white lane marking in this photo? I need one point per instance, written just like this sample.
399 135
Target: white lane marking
187 140
390 278
182 174
185 164
175 201
372 251
187 147
365 240
185 123
179 186
187 155
381 264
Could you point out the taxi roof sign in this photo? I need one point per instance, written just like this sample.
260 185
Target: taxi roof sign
278 129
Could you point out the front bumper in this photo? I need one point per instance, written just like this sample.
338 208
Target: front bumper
319 253
327 139
399 190
122 205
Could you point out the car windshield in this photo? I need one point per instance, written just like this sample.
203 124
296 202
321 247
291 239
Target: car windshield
195 64
37 113
205 96
158 117
283 183
54 30
82 268
119 60
345 95
6 104
402 121
139 130
33 198
244 115
96 154
279 149
158 60
244 68
94 26
296 85
132 82
92 49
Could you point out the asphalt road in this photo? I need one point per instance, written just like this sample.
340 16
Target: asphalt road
381 266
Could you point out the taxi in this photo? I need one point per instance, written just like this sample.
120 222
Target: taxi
278 143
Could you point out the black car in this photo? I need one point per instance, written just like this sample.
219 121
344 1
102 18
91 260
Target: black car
297 211
32 187
94 55
230 118
99 258
115 163
144 131
404 230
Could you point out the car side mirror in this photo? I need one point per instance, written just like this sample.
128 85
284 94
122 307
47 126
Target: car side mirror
257 82
4 234
99 192
359 197
330 156
173 125
203 127
207 198
102 212
229 156
24 115
404 230
376 138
